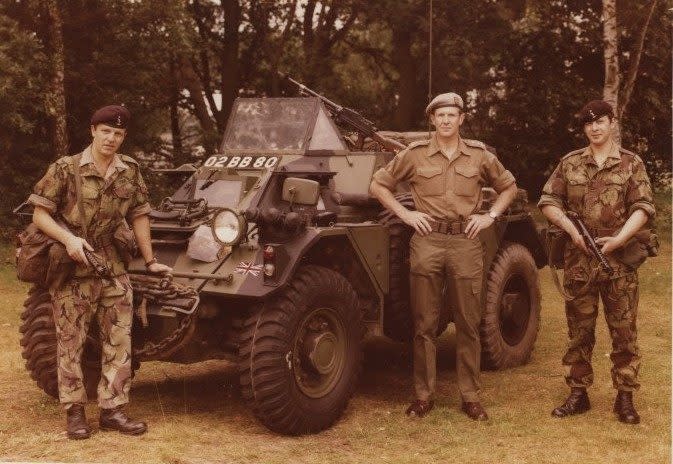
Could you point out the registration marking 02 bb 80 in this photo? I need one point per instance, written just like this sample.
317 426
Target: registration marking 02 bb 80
250 162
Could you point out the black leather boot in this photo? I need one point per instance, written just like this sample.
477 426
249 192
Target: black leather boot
77 427
576 403
624 408
116 419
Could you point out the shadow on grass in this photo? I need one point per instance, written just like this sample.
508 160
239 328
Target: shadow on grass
213 386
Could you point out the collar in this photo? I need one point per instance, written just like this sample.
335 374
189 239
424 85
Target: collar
433 146
117 163
613 157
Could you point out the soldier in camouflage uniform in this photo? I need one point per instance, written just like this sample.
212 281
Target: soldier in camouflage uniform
608 187
113 192
446 174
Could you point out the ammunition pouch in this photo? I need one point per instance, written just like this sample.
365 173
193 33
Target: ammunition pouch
124 242
638 248
42 260
556 240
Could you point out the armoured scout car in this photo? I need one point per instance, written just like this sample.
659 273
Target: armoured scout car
283 263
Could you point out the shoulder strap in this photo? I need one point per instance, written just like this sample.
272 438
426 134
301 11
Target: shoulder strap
78 193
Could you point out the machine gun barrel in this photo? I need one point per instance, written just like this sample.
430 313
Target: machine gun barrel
350 118
589 241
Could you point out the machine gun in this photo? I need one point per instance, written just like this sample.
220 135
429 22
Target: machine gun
589 241
350 118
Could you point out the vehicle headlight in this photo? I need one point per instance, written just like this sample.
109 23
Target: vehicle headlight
229 228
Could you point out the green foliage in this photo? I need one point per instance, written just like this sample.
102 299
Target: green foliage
525 68
23 140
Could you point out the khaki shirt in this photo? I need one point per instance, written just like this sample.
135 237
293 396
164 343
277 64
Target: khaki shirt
604 197
446 189
107 200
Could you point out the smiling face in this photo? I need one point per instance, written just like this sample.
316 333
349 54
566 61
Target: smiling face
599 131
106 139
447 120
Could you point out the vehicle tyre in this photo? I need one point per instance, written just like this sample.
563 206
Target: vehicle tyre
301 353
38 345
398 323
511 316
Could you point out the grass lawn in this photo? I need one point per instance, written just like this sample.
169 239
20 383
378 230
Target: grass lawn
196 415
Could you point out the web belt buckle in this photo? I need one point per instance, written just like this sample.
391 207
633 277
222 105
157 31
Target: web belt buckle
449 228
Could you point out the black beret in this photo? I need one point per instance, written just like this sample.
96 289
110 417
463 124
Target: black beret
111 115
593 110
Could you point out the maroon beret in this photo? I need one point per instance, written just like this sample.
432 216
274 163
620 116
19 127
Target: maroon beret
593 110
111 115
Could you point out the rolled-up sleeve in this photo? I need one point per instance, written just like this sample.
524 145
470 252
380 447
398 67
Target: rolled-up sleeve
495 173
49 191
554 191
400 169
639 191
140 202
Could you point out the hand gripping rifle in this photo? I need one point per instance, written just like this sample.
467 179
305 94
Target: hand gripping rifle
590 242
350 118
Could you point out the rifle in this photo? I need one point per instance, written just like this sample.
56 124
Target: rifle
589 241
100 267
350 118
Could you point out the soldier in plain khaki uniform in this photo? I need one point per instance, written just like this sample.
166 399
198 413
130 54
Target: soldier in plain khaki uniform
446 174
112 191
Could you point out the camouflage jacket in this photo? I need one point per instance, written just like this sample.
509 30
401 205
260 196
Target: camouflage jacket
604 197
107 201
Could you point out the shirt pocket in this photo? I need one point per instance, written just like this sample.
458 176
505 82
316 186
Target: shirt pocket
577 190
615 190
429 181
89 192
123 189
466 181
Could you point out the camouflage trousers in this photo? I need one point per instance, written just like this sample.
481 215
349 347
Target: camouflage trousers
75 304
620 301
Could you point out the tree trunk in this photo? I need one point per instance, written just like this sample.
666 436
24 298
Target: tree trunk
191 82
176 135
404 62
635 64
55 99
229 59
611 58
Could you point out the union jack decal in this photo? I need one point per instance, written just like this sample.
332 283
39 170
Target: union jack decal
245 267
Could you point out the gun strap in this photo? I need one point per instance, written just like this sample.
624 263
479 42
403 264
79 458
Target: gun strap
78 193
567 296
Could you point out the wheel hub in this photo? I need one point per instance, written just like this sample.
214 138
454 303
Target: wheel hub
321 351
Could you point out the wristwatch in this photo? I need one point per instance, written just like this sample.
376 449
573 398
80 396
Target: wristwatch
150 262
493 215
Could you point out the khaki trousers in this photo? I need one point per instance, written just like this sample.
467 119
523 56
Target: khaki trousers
458 261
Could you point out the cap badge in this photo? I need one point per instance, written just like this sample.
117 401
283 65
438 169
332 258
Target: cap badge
119 120
591 113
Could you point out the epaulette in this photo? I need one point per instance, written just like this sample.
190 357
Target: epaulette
64 160
628 152
418 143
128 159
574 152
474 143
